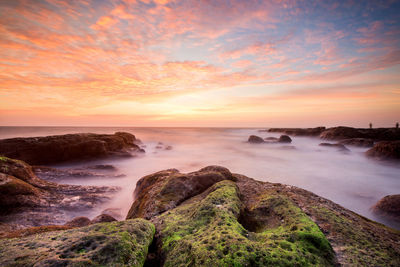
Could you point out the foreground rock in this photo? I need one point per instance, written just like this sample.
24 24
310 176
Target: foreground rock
385 150
388 206
54 174
237 221
106 244
165 190
60 148
26 200
298 131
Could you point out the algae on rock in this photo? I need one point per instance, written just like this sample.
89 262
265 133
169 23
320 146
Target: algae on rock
206 232
122 243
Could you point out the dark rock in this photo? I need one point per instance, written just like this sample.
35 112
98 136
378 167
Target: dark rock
255 139
109 244
78 222
299 131
165 190
378 134
385 150
48 173
389 206
69 147
360 142
114 212
339 147
284 139
103 218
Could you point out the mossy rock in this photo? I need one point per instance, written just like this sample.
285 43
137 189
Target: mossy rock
105 244
206 232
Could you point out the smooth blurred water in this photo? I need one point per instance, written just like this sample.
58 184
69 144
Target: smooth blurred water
349 179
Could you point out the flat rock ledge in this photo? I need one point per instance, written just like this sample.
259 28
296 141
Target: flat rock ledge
69 147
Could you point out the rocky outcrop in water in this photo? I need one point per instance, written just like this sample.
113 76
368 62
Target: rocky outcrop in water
389 206
26 200
298 131
255 139
68 147
385 150
360 142
341 132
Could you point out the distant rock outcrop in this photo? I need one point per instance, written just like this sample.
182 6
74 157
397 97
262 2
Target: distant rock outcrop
68 147
255 139
385 150
378 134
299 131
360 142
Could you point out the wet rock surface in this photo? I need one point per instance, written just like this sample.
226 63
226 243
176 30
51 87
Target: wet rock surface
54 174
27 200
106 244
385 150
69 147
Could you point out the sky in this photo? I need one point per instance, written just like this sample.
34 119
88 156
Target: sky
239 63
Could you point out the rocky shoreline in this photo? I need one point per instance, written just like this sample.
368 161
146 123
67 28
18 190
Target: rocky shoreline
384 143
210 217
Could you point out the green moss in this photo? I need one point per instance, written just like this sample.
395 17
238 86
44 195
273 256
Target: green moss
206 232
105 244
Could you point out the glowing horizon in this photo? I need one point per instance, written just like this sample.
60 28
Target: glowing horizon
199 63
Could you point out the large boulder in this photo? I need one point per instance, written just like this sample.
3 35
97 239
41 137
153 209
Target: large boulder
389 206
108 244
284 139
69 147
255 139
165 190
243 222
385 150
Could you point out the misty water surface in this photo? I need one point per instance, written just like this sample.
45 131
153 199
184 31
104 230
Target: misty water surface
349 179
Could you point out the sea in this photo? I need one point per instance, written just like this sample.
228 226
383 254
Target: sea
349 179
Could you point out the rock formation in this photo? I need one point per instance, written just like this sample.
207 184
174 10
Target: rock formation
385 150
69 147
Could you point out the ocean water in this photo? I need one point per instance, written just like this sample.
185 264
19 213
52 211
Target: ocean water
349 179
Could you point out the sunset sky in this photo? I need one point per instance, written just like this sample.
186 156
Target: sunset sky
199 63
